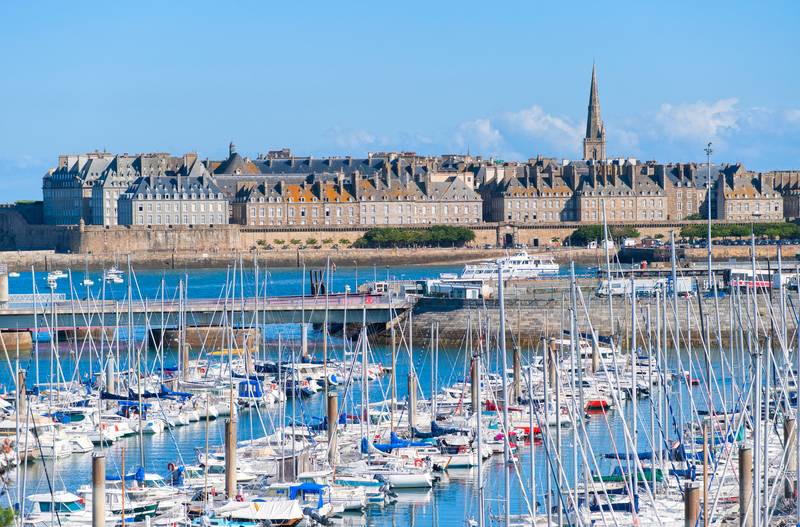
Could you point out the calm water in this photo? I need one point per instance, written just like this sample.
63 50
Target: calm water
447 504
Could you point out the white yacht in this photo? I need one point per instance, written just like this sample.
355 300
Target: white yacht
518 266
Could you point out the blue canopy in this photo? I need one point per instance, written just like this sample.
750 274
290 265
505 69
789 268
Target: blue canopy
166 392
307 487
436 431
136 476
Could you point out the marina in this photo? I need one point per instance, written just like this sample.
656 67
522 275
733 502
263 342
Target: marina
310 418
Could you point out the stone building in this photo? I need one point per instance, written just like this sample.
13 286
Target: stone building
390 199
186 195
747 196
624 191
67 189
537 193
787 183
121 173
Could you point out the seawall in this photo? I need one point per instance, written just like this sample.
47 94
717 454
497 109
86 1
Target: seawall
530 320
48 260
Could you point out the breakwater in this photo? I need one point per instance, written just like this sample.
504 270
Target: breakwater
529 320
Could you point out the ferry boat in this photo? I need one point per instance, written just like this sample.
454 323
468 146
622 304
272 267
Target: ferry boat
518 266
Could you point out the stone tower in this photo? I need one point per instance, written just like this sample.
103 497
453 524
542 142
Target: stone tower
594 144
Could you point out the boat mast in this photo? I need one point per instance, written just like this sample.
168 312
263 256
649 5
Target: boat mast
504 376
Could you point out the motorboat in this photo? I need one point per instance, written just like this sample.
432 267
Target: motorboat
113 275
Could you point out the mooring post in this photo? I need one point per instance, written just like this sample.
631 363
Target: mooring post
789 438
230 457
412 401
98 489
691 504
475 386
333 423
746 487
517 361
22 396
551 363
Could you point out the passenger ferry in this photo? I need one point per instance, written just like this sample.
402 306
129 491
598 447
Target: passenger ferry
520 265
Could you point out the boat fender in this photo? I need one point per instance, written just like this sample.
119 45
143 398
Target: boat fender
171 467
418 462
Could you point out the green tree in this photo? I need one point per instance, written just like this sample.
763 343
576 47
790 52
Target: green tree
295 241
588 233
279 242
311 241
327 241
6 517
773 230
344 242
439 235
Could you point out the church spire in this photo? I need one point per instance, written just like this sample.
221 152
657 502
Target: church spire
594 144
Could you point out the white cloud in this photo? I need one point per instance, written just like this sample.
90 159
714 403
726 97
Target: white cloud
480 135
352 139
793 116
698 121
536 123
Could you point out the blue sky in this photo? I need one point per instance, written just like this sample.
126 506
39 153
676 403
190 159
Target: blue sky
509 80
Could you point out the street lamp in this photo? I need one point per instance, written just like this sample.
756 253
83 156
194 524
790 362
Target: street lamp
709 151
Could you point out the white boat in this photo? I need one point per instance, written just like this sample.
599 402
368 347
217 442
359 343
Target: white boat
13 274
113 275
88 282
518 266
55 275
277 511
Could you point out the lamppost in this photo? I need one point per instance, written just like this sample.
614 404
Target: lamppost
709 151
